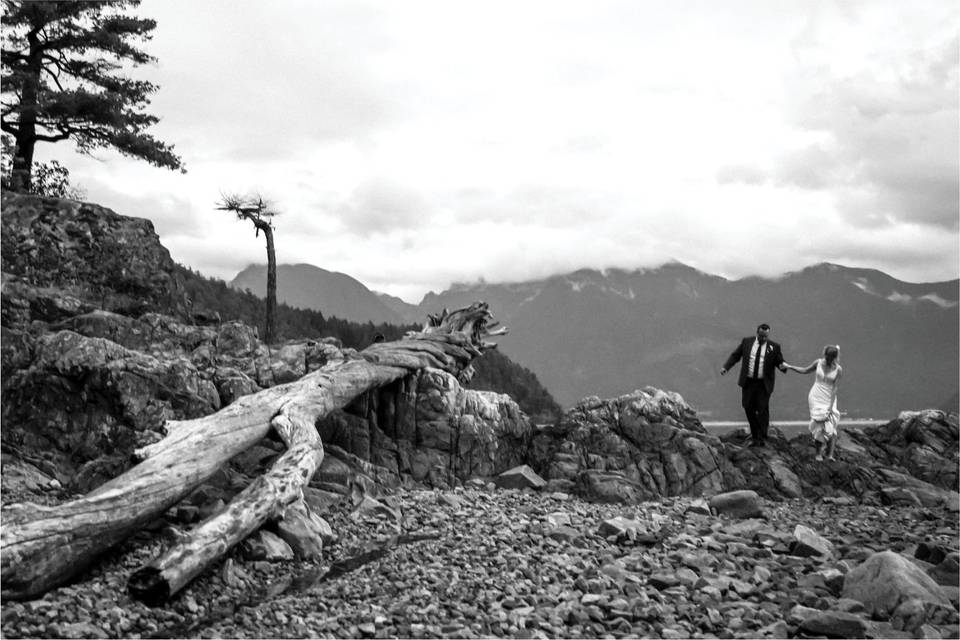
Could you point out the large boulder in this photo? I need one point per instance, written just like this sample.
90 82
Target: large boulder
428 427
891 586
89 252
637 447
82 400
925 444
912 460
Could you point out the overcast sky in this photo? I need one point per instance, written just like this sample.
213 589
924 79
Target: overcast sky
412 144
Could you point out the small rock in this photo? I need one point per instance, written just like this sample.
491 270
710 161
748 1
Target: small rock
809 543
264 545
522 477
663 581
82 630
799 613
947 572
745 528
619 526
699 506
372 506
450 500
191 604
303 531
738 504
899 495
952 503
778 629
835 624
563 534
839 500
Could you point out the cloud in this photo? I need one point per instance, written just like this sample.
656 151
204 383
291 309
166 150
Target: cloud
171 214
547 206
299 73
379 205
892 131
741 174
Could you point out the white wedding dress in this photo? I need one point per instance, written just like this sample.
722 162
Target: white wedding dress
824 415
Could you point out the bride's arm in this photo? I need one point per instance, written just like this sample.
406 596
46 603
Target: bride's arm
811 367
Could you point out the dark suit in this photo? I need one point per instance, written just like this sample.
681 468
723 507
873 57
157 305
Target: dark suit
756 392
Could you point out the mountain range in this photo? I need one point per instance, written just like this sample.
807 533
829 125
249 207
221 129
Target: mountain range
609 332
332 293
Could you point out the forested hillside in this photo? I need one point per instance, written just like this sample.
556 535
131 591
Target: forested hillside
495 371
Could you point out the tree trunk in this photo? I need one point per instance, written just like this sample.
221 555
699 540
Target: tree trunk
270 334
45 546
26 135
267 496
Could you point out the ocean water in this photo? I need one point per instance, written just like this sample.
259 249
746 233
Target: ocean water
790 428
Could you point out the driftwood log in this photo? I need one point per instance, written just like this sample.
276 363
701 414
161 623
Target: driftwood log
43 547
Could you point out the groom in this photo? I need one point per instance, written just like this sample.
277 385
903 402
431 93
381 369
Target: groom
761 357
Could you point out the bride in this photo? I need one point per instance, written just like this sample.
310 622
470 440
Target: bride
822 399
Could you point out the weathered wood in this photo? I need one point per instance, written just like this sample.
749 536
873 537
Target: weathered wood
43 547
265 498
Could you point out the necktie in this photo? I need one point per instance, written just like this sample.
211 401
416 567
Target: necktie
756 364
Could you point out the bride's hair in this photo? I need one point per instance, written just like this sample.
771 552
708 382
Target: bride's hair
830 353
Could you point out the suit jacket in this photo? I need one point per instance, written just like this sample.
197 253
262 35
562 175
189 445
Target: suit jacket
772 360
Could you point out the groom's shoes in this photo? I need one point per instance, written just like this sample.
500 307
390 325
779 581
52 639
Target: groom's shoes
758 443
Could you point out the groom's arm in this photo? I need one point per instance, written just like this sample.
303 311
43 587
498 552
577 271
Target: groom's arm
733 359
778 360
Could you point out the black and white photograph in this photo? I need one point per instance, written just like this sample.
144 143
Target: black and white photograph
448 319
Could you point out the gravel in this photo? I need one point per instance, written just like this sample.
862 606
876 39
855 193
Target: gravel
477 563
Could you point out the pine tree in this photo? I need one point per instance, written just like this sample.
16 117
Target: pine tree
62 80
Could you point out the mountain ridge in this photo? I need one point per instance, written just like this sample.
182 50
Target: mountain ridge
608 332
304 285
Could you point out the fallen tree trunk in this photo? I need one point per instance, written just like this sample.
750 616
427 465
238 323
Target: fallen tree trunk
43 547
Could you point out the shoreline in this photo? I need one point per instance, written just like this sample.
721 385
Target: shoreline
858 422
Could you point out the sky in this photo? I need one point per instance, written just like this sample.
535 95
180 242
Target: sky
415 144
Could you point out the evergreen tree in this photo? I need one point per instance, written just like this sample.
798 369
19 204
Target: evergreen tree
62 79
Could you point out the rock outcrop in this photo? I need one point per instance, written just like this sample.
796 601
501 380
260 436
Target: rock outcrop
97 353
650 443
429 428
113 262
91 389
637 447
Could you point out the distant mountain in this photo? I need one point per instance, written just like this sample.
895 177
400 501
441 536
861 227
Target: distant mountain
331 293
494 370
607 333
409 312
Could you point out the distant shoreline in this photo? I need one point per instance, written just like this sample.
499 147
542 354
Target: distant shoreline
857 422
790 428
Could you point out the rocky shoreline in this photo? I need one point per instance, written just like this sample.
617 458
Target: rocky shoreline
401 532
518 563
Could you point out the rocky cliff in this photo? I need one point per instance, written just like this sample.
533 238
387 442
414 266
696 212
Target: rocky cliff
94 364
113 262
98 351
650 443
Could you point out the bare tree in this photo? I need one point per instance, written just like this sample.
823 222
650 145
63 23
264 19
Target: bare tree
258 211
